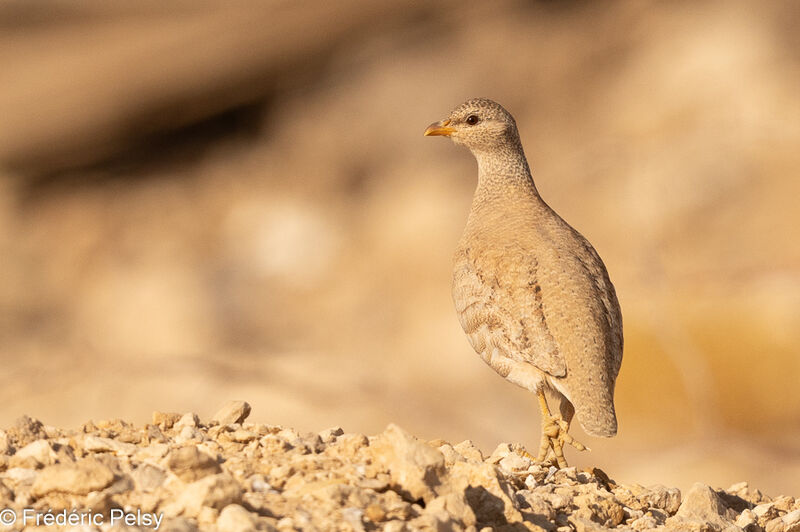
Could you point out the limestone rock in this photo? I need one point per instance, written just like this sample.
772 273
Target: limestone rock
148 477
455 506
487 492
747 521
232 412
189 419
5 445
469 451
513 462
6 495
190 464
35 454
702 504
97 444
667 499
165 420
215 491
415 467
791 521
329 435
25 430
80 478
234 518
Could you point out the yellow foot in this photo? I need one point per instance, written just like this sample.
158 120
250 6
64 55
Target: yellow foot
554 437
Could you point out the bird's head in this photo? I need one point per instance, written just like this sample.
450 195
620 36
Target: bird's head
479 124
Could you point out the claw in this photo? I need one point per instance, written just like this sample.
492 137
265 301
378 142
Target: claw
554 436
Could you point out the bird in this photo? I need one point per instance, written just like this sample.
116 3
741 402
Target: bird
531 293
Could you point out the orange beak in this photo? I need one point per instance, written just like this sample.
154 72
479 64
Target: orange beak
439 129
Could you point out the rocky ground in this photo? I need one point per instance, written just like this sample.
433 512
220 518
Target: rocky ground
183 473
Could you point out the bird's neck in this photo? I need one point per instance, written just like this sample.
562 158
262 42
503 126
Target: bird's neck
504 171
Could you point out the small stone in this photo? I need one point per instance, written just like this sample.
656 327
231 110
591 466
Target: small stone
285 523
215 491
765 512
533 503
414 466
165 420
148 477
153 434
704 505
775 525
558 500
177 524
747 521
234 518
330 435
279 475
258 483
232 412
375 513
450 454
20 476
191 464
34 455
667 499
395 526
583 524
6 495
242 436
206 516
5 446
645 522
792 518
783 503
631 514
188 434
289 434
594 507
500 452
354 517
791 521
273 445
189 419
738 487
454 506
79 478
26 430
379 483
154 451
514 462
567 475
96 444
486 491
349 444
469 450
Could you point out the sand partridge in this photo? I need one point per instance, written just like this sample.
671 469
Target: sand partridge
530 291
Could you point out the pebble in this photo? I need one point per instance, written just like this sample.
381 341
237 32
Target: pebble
80 478
232 412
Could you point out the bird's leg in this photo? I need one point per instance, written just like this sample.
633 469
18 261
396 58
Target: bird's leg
554 435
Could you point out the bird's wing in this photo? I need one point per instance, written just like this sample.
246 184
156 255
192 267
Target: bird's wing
499 304
606 303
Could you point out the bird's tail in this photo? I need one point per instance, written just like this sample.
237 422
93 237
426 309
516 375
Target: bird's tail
598 419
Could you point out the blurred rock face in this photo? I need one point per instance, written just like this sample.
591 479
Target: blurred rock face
261 217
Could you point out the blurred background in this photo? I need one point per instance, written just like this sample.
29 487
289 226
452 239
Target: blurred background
202 201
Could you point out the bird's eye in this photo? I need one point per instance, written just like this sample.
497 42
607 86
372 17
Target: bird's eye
472 120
